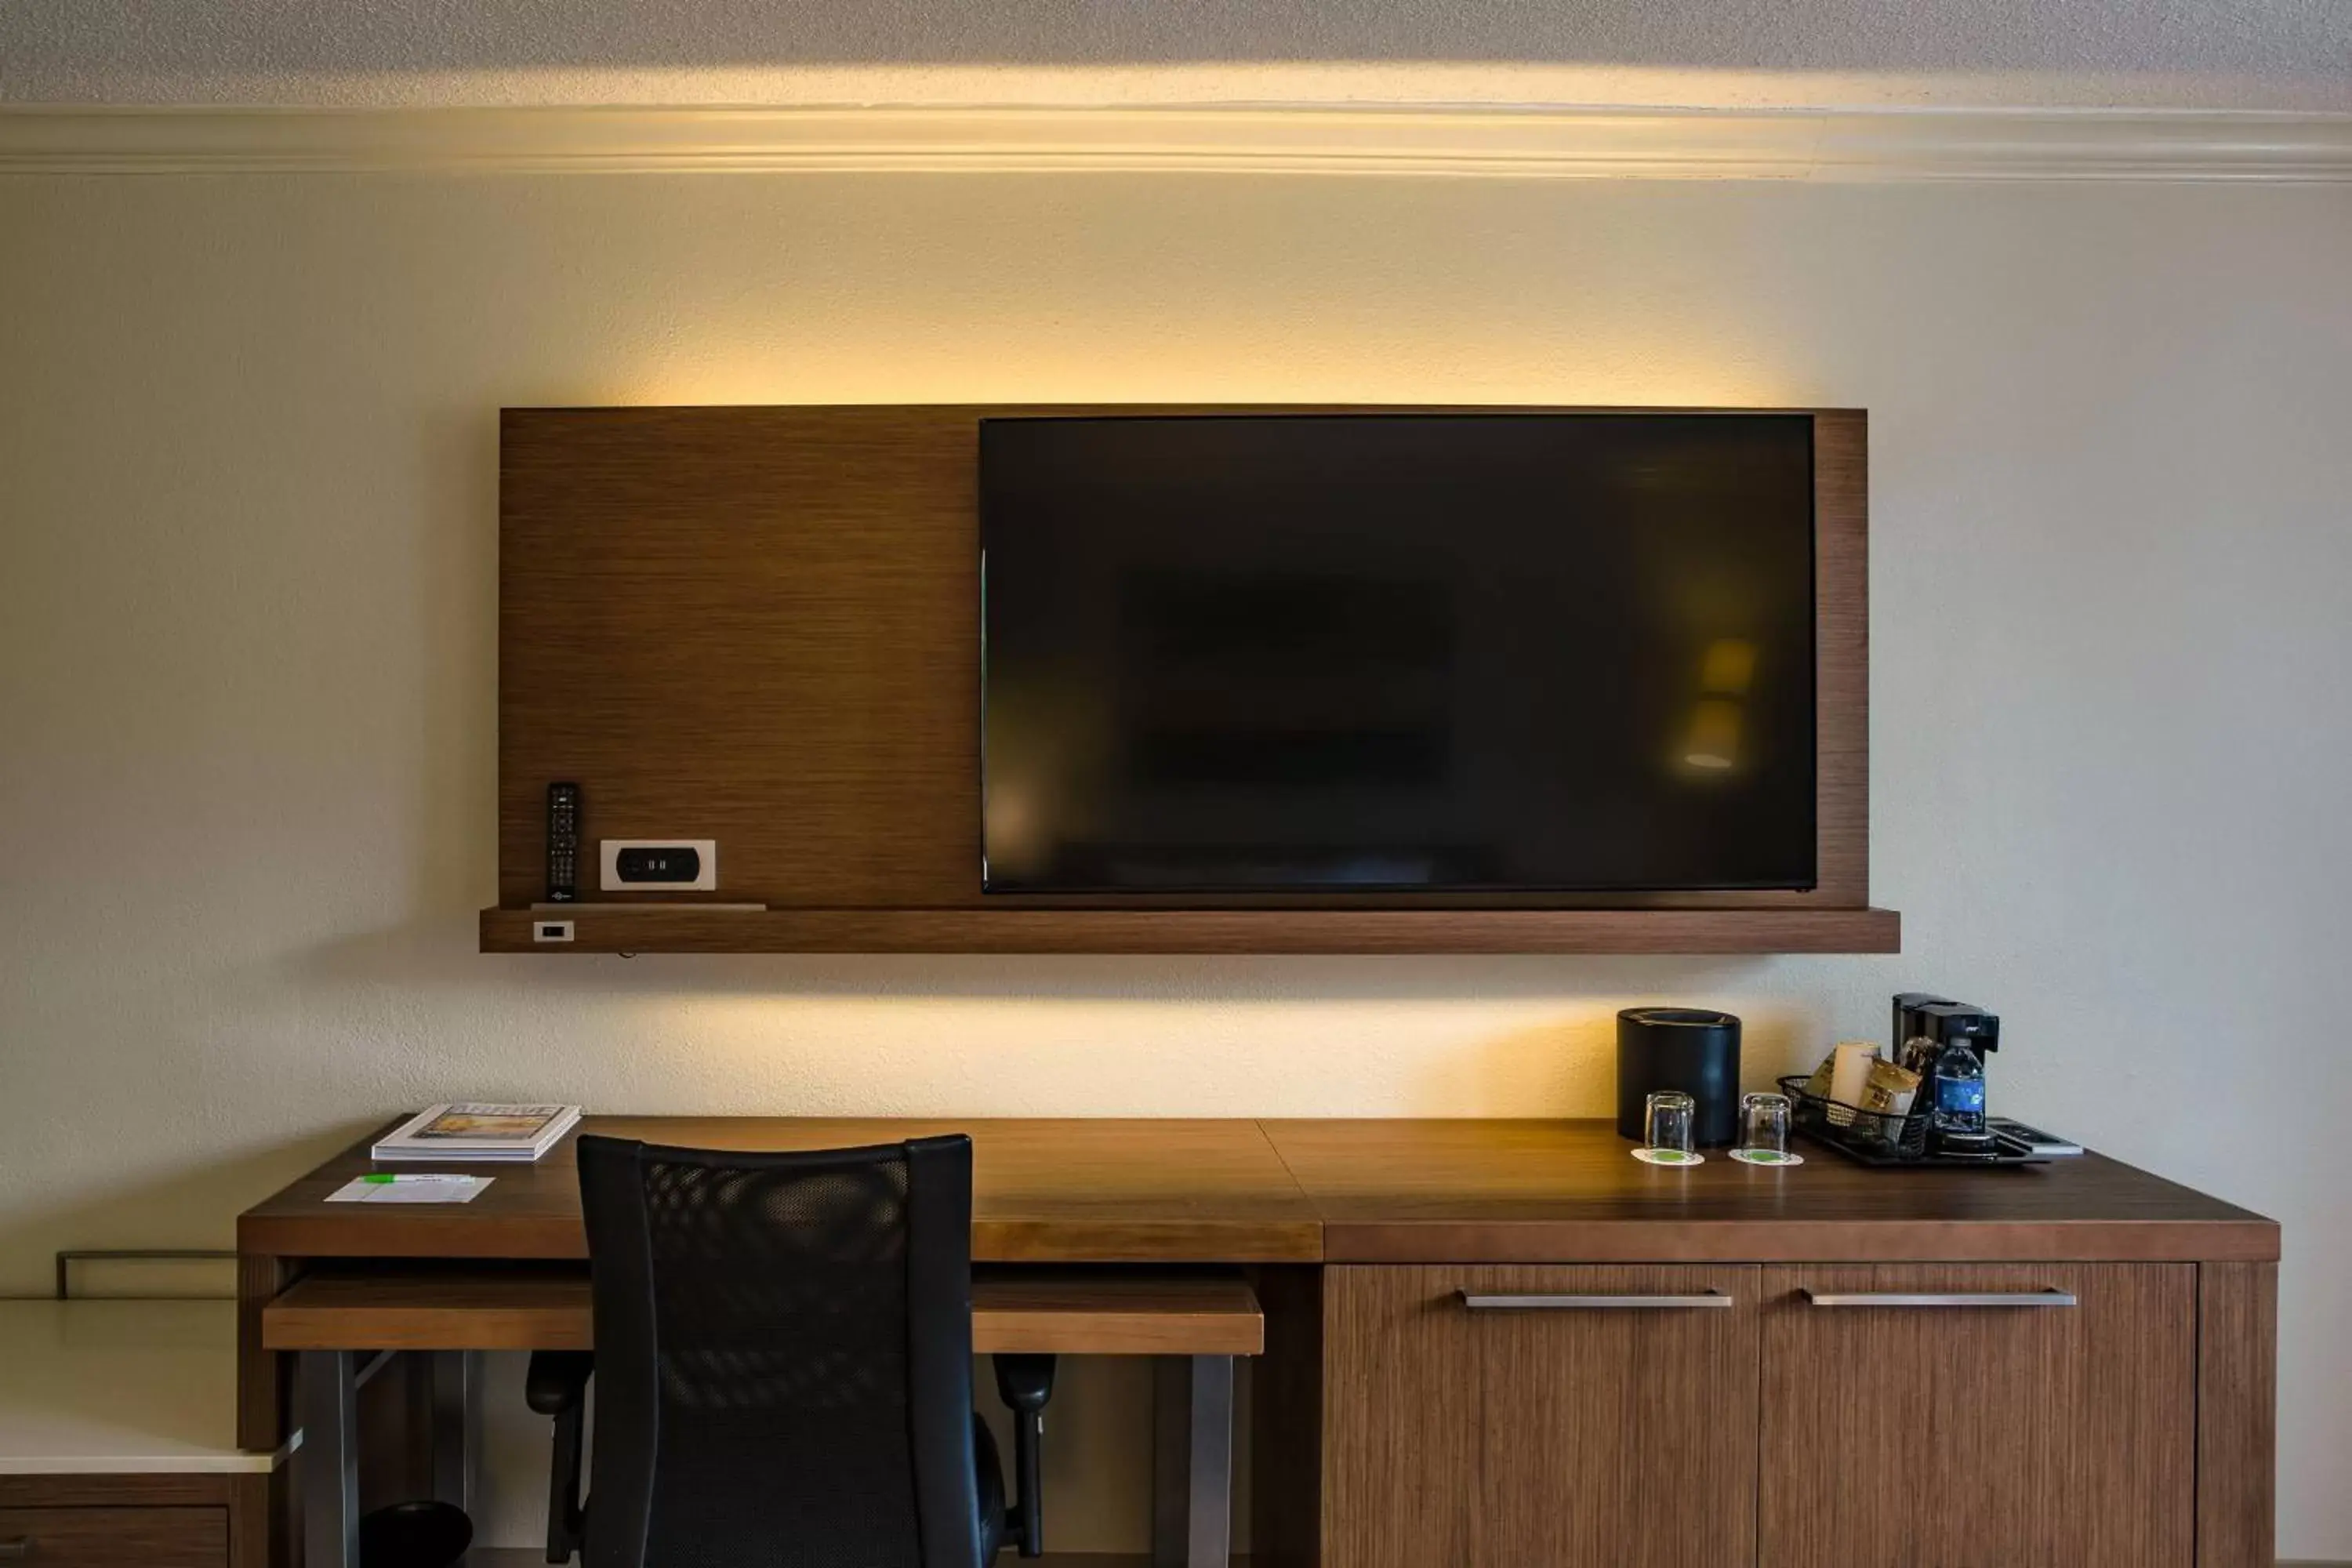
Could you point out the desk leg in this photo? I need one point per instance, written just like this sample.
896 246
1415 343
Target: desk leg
328 1458
1193 1461
457 1420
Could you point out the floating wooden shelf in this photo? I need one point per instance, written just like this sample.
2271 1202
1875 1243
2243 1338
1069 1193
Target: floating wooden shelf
760 627
1263 931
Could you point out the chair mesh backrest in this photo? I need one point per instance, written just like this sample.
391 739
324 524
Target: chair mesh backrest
752 1316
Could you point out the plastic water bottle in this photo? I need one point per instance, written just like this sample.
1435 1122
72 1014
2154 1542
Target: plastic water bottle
1960 1101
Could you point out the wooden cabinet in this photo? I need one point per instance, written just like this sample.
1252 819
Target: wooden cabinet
1540 1418
1955 1416
1916 1415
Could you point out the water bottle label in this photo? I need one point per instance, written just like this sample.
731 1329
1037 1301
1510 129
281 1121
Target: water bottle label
1962 1096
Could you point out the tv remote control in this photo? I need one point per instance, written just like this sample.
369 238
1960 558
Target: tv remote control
562 843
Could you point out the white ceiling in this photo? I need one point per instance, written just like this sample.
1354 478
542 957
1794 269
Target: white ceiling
2189 53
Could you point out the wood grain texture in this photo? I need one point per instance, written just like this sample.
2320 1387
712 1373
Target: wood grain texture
1012 930
1401 1407
2237 1414
1097 1190
761 625
265 1392
198 1489
1540 1192
1208 1192
1584 1439
245 1504
162 1537
1841 657
532 1557
1114 1313
527 1309
1615 1438
1980 1438
1592 1438
255 1502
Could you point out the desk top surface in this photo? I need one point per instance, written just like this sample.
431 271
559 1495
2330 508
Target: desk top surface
119 1387
1118 1190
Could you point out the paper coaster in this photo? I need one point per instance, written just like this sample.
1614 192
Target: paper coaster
1669 1157
1766 1157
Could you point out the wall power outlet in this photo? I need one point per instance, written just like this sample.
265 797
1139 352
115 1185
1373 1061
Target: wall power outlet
658 865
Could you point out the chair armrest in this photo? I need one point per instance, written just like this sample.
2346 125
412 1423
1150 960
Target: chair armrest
557 1381
1025 1383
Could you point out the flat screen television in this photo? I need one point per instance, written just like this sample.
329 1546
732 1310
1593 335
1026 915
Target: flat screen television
1396 653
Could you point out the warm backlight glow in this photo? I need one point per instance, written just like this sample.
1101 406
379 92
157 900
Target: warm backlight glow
1729 665
1713 743
1725 674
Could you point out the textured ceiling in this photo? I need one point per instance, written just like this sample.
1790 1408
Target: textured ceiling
2208 53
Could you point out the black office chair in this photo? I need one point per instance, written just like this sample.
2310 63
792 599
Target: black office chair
783 1365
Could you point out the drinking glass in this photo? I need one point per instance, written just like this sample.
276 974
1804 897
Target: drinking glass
1667 1119
1764 1131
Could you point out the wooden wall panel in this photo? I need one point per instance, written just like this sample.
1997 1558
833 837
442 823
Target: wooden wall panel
1842 656
761 625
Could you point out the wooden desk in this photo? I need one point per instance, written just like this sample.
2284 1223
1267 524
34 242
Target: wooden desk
1077 1191
1360 1237
331 1280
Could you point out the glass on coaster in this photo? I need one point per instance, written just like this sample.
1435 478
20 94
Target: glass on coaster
1764 1132
1668 1130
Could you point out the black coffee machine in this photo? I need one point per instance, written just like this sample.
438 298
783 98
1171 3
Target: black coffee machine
1926 1026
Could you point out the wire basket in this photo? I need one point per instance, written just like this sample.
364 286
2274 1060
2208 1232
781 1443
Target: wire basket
1871 1135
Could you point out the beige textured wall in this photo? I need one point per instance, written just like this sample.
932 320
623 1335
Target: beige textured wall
246 545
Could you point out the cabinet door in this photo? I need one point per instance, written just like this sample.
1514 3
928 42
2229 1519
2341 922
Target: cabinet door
1542 1417
1967 1416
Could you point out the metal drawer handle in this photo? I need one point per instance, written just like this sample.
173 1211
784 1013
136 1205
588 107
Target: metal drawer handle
1589 1303
1952 1299
16 1550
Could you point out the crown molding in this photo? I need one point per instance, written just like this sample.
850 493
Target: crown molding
1821 145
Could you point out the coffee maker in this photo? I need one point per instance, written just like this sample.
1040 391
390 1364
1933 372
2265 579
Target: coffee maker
1927 1030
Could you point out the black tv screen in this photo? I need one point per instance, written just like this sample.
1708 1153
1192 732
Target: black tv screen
1507 653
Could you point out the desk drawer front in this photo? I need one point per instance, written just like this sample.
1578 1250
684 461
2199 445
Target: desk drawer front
1564 1416
2040 1412
113 1537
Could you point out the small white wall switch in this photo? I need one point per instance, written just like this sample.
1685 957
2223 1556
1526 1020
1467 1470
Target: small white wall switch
550 930
658 864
